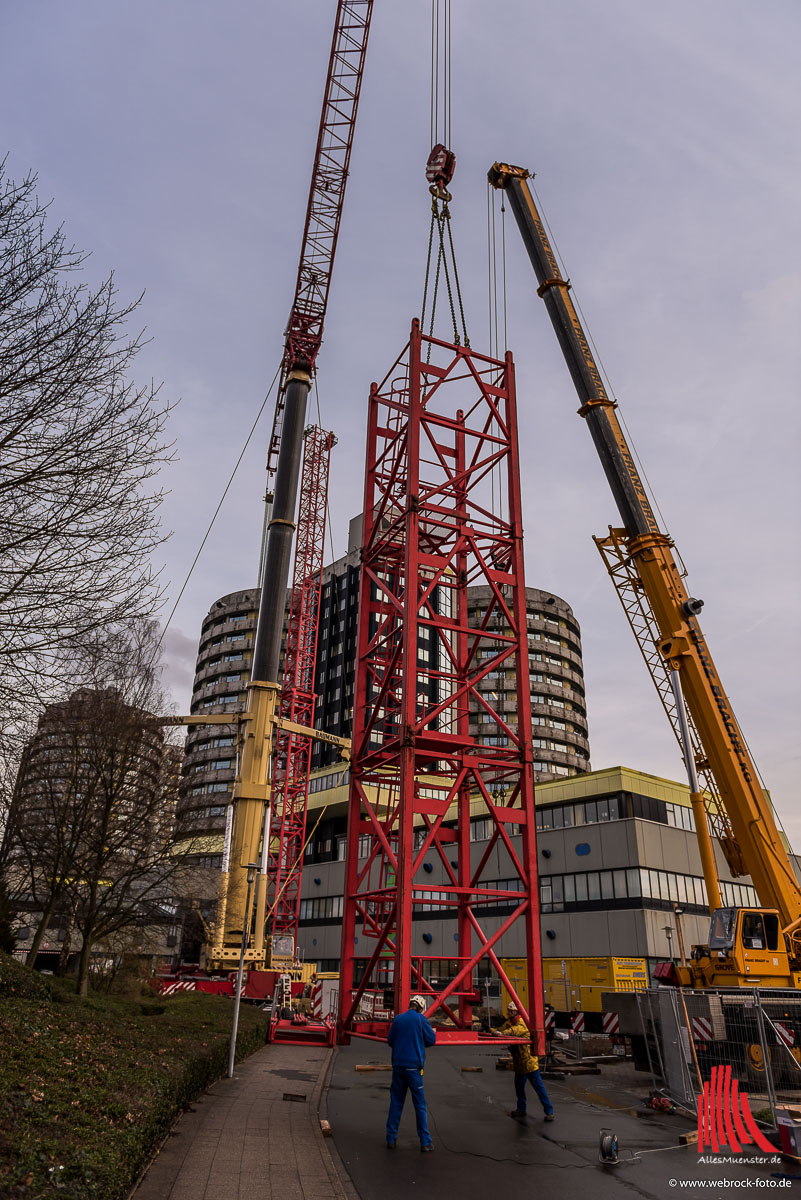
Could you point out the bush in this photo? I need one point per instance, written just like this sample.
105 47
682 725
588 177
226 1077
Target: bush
20 981
89 1087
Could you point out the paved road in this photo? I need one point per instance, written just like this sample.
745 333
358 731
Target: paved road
481 1153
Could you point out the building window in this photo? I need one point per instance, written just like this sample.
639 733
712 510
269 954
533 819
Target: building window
680 816
321 908
669 887
208 860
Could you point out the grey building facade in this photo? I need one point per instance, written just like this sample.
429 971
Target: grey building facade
616 853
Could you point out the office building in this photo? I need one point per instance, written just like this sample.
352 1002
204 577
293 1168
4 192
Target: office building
616 853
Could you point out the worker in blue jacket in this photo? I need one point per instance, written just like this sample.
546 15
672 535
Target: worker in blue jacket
409 1034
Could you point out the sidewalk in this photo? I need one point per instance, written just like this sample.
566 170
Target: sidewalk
254 1136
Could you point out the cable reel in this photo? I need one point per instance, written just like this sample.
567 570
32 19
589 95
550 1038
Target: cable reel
608 1148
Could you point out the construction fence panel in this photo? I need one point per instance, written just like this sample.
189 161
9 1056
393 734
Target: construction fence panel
693 1037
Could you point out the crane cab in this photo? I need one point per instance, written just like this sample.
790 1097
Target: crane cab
746 947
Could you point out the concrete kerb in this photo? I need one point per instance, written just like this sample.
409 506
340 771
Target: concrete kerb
340 1171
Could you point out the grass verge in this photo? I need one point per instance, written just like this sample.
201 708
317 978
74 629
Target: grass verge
88 1088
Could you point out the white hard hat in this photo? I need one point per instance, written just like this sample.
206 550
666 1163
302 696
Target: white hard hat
512 1007
419 1002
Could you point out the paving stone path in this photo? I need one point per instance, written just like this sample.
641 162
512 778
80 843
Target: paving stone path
254 1137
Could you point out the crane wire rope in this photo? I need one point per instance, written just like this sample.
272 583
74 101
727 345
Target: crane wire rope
440 120
496 472
440 89
492 289
492 294
434 98
216 514
449 138
503 269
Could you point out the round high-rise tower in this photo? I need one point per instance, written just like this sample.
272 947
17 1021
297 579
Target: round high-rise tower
555 680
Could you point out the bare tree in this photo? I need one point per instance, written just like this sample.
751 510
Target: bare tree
8 940
80 446
96 800
49 813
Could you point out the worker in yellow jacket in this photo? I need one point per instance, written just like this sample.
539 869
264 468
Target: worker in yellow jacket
526 1064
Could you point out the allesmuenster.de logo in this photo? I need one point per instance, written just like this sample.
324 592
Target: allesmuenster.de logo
724 1116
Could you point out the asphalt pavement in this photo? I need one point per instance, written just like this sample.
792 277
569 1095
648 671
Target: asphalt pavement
480 1151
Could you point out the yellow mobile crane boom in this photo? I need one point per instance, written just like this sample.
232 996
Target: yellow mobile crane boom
248 830
744 944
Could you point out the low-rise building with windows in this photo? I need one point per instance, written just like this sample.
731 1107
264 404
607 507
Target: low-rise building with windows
616 854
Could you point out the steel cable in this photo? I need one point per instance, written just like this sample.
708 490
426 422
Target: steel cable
216 513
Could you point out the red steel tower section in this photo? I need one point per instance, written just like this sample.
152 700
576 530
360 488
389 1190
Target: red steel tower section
441 513
293 755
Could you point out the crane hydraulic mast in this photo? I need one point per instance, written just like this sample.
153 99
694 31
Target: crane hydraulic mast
249 834
750 839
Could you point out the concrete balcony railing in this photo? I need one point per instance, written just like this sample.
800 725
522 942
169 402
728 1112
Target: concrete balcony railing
562 735
212 671
558 711
211 645
566 760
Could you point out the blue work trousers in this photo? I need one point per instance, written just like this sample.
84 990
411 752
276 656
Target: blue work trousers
407 1079
535 1079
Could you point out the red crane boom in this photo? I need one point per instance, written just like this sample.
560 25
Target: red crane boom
304 332
303 340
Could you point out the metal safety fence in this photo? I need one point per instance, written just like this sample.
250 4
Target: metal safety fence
692 1037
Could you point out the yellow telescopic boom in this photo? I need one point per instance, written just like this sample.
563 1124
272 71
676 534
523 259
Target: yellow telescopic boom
757 849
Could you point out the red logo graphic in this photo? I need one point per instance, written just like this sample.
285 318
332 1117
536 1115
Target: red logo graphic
720 1122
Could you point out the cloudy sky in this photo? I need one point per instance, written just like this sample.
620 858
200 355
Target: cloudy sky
175 141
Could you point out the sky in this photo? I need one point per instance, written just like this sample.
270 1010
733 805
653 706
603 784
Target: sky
175 142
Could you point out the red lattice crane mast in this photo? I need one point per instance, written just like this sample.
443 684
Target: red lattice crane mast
293 758
303 339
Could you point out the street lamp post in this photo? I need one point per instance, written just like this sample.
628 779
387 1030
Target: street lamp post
679 912
252 868
668 931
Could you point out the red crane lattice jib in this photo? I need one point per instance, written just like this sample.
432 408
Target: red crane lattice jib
304 332
441 512
293 756
329 177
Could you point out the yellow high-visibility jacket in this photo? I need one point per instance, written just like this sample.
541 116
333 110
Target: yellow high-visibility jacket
524 1061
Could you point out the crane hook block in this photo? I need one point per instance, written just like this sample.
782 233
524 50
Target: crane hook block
440 167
